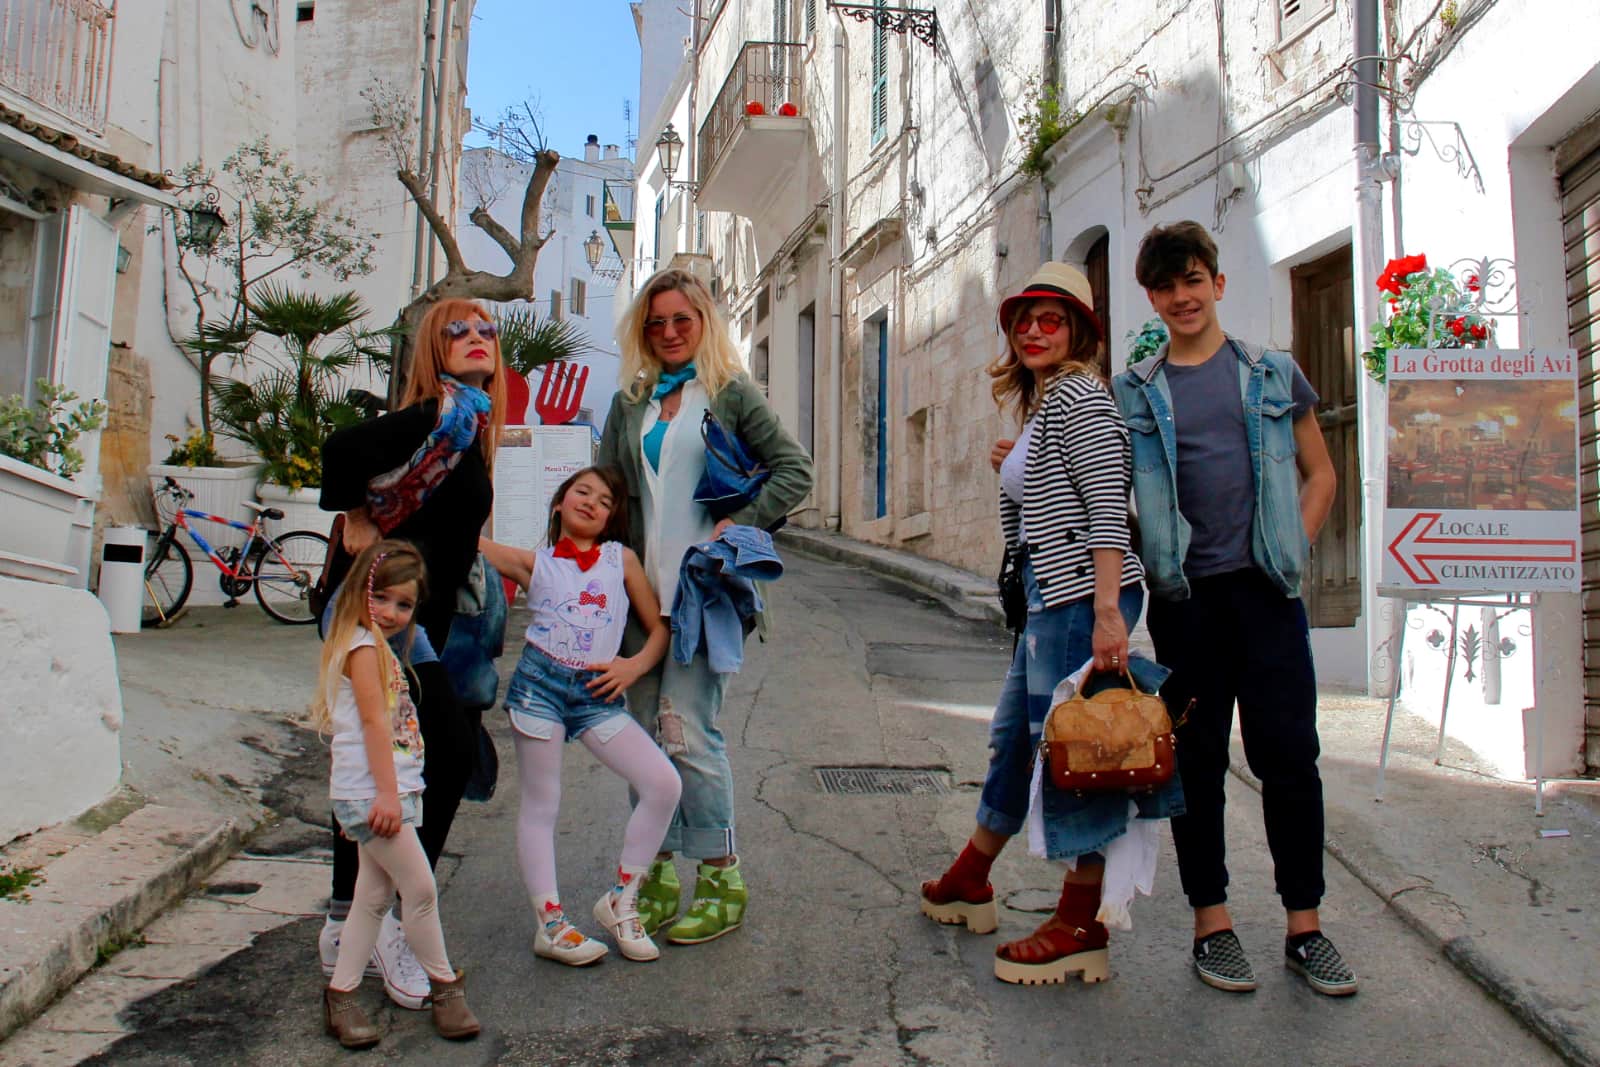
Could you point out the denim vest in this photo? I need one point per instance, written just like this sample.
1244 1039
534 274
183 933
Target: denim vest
1278 543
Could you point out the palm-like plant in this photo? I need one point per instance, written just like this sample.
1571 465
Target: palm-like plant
528 342
287 411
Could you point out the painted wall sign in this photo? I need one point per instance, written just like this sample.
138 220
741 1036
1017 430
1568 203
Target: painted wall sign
1482 491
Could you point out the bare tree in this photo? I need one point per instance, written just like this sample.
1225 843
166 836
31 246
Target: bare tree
522 138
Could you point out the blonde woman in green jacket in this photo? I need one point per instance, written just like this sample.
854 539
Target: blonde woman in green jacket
678 362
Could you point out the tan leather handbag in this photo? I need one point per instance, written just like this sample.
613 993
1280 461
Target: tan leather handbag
1118 739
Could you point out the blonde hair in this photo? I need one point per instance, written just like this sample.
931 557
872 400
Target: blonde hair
1015 385
716 361
429 349
381 566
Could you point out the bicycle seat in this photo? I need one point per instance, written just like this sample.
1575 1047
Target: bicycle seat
261 509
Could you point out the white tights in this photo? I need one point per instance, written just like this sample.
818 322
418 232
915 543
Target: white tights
631 753
388 863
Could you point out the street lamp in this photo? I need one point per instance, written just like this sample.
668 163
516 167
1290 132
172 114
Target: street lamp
669 149
593 249
205 225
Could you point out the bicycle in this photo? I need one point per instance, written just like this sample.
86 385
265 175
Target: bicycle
282 570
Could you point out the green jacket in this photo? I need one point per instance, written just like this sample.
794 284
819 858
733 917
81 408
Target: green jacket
742 409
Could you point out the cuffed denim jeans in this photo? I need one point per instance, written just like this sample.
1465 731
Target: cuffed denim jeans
1056 642
703 826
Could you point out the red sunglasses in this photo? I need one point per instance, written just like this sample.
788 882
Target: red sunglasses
1049 322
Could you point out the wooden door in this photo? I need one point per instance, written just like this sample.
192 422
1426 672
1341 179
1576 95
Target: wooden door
1325 348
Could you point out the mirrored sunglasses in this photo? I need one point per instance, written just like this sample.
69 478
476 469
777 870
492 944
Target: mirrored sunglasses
459 328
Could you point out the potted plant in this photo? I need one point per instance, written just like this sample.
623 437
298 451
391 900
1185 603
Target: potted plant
38 459
1427 309
299 392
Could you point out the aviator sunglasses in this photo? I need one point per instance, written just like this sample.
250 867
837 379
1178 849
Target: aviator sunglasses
459 328
680 323
1049 322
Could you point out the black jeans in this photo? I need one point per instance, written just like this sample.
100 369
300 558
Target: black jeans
450 747
1237 638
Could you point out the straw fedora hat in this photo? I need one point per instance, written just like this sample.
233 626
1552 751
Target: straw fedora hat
1055 281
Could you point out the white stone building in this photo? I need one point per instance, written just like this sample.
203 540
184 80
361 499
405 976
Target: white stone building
588 197
99 101
894 198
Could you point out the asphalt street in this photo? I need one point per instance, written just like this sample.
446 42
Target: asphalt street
834 964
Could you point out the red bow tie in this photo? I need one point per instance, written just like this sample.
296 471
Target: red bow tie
583 557
597 599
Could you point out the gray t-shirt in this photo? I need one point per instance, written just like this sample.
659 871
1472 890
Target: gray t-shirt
1216 485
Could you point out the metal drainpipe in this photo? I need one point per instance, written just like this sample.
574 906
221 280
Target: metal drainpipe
1052 73
1378 615
836 224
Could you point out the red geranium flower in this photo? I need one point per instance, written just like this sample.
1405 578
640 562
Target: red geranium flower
788 110
1472 283
755 107
1393 278
1480 331
1458 326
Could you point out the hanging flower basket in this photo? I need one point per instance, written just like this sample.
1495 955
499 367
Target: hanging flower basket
1427 309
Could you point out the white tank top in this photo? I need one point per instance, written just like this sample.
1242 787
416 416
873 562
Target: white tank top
578 615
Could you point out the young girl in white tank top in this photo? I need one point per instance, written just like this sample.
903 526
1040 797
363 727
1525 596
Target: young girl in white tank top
568 686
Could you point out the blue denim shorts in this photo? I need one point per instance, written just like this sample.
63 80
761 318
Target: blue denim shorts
352 815
544 694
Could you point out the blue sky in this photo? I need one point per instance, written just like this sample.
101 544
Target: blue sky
578 60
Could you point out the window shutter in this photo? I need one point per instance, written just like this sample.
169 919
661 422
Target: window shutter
880 73
811 17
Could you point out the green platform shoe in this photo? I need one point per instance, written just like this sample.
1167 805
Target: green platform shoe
658 896
719 902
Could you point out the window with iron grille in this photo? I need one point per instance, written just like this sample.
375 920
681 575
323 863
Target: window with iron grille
880 73
580 297
1295 16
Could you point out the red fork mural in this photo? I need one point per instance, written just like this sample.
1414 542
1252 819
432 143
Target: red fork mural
560 392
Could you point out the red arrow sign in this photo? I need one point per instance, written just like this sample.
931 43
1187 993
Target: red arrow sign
1414 549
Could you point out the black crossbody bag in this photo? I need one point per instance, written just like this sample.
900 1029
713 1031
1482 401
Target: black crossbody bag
1013 592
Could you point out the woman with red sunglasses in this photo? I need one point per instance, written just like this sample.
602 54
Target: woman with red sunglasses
423 474
1064 485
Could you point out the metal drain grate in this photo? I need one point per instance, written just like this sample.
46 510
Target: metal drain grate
903 781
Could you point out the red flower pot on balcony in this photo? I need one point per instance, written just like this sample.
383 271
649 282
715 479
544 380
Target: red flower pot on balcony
755 107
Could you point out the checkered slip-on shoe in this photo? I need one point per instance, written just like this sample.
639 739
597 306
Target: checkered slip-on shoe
1320 964
1220 961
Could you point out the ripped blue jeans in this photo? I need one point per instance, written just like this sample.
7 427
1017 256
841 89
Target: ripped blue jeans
1056 642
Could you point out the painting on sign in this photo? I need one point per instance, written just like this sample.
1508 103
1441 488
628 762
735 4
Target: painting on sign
1483 445
1482 489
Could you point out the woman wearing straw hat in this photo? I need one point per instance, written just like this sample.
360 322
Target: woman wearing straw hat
1064 511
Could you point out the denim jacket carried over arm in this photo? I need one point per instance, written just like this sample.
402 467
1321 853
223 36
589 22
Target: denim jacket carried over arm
1278 544
718 600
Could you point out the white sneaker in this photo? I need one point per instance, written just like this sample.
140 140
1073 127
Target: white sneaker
565 943
626 929
328 949
403 977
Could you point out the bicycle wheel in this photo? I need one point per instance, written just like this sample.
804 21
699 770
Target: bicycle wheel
285 569
168 577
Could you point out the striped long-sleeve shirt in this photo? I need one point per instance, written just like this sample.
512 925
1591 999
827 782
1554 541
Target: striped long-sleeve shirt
1075 491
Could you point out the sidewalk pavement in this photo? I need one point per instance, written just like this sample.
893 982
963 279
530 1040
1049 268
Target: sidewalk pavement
1456 853
204 754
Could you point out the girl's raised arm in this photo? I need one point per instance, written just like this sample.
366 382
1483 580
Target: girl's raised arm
513 563
377 735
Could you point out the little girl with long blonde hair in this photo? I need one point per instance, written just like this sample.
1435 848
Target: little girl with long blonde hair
364 701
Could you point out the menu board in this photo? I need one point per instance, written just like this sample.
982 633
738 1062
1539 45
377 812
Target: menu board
529 467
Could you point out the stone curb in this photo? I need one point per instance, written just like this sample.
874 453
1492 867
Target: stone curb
971 596
97 896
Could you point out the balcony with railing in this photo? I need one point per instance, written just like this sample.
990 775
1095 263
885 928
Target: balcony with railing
57 55
755 132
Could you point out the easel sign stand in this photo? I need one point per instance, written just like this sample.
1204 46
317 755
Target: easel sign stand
1481 493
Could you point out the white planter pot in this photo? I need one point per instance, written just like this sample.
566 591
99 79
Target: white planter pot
47 521
219 491
300 508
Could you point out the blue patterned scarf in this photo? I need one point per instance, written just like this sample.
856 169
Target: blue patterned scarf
394 497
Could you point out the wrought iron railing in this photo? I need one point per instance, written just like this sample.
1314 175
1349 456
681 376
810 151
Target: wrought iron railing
57 53
765 73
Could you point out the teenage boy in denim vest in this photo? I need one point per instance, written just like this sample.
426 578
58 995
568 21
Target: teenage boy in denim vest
1232 482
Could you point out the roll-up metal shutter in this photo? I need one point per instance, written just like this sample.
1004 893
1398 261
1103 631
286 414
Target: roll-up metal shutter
1578 165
